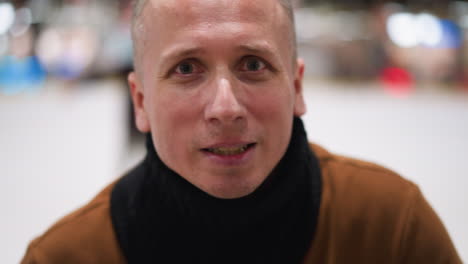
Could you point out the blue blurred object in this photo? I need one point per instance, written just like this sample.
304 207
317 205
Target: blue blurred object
451 35
20 74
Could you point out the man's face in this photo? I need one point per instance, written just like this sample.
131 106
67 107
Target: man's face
218 90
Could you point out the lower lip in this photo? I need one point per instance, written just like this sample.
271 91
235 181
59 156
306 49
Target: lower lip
231 160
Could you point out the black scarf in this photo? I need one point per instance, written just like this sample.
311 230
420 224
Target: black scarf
159 217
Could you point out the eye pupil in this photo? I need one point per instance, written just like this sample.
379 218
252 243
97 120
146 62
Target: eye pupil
253 65
186 68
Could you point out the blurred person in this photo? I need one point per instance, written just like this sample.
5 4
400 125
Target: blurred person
20 69
229 176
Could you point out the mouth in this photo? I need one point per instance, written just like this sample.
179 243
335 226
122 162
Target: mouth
230 151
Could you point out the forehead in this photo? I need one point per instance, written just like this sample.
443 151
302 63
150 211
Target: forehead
166 25
217 9
212 11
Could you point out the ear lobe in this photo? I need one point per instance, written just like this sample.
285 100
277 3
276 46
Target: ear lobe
299 104
136 92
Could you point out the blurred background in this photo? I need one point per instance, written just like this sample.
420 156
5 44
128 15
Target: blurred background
385 81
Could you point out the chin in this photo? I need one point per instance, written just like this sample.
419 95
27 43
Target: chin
230 190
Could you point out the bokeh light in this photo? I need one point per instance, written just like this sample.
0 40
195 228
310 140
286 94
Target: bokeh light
408 30
7 17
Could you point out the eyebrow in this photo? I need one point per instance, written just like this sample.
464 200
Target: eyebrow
184 51
179 53
260 48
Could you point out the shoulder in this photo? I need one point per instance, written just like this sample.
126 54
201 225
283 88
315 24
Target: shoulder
356 192
83 236
371 213
355 180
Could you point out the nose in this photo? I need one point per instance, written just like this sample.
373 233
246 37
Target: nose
224 107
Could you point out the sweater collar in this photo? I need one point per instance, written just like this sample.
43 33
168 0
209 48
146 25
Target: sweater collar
160 217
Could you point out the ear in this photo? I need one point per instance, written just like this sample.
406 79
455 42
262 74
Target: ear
299 104
137 93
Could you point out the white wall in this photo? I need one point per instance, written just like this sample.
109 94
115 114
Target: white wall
57 149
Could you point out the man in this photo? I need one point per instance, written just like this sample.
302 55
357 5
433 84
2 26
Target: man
229 176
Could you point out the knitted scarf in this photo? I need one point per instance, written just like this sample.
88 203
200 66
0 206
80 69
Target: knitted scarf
159 217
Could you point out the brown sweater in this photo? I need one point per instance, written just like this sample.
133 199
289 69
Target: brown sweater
368 214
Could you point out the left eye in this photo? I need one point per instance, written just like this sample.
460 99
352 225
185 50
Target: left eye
253 64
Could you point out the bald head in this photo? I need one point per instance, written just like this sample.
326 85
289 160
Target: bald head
138 6
138 27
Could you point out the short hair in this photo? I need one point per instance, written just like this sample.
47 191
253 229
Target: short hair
138 6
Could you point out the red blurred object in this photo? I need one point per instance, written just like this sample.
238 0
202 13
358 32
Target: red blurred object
397 81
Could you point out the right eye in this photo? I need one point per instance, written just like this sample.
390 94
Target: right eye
187 68
184 68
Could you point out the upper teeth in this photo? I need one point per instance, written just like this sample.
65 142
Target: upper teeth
228 150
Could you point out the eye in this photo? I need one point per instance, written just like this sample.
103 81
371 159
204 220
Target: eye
185 68
185 71
253 64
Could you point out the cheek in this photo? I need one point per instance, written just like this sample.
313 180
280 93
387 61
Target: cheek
171 109
274 112
272 104
172 123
